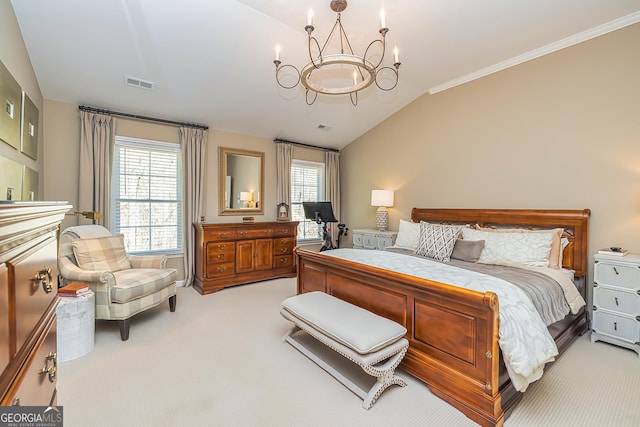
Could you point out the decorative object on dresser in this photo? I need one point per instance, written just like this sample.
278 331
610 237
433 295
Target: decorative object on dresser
235 254
616 300
283 212
373 239
383 199
124 284
613 251
28 283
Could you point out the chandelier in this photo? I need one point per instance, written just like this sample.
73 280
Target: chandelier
324 68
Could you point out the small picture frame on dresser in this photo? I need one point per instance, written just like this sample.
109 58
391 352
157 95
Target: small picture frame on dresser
283 212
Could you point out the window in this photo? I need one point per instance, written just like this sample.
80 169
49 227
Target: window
307 185
146 195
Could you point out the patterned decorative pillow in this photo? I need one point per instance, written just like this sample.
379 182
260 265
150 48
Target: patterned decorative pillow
408 235
101 254
437 240
512 248
555 256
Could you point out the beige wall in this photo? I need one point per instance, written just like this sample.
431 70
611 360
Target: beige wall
62 154
561 131
13 55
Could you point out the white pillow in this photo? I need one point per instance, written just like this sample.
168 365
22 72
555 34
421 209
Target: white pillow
408 235
512 248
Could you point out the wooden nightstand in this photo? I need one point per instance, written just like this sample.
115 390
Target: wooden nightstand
373 239
616 301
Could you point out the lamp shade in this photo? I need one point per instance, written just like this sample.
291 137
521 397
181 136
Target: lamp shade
245 196
382 198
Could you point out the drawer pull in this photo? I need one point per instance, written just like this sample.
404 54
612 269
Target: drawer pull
283 260
221 269
243 233
616 270
222 246
267 231
615 326
16 402
46 278
50 370
283 250
616 298
222 234
221 256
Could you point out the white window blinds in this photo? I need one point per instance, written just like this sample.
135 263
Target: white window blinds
307 185
147 195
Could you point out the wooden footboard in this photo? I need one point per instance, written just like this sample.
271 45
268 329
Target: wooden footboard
452 332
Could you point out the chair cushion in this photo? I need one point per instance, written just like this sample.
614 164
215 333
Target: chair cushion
139 282
101 254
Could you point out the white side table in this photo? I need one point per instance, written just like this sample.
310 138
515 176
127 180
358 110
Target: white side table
76 326
616 301
373 239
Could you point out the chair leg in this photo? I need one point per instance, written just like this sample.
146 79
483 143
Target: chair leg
172 303
124 328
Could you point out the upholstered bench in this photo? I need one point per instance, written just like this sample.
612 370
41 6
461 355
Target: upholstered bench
374 343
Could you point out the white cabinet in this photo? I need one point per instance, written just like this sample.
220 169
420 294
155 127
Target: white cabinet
616 301
373 239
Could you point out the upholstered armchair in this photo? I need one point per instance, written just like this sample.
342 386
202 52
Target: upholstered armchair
124 284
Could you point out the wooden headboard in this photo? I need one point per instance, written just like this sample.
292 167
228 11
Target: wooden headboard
574 222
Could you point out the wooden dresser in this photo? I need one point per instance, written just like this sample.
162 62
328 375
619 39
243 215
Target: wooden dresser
234 254
28 284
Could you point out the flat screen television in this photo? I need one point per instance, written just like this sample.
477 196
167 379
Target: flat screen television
319 211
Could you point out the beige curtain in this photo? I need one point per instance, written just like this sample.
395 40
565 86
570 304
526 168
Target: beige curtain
332 187
193 143
97 139
283 173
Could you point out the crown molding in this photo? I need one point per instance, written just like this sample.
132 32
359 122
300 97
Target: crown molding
545 50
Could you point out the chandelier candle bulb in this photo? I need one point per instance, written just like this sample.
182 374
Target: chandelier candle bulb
355 78
395 54
278 53
310 17
383 24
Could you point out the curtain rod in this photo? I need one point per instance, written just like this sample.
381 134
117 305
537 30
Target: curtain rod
138 117
315 147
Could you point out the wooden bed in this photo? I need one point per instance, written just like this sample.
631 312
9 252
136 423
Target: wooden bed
453 332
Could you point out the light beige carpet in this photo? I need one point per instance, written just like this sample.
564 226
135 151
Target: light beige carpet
219 361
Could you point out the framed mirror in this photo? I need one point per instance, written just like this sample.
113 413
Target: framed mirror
240 181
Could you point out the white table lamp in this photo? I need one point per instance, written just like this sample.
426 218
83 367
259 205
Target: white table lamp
383 199
245 198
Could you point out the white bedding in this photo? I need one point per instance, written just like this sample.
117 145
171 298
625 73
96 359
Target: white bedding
523 337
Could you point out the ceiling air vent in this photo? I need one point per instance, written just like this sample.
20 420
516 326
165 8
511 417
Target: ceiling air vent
136 82
324 127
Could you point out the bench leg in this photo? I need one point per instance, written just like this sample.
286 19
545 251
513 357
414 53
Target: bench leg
386 377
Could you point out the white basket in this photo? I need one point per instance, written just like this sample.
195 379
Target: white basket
76 326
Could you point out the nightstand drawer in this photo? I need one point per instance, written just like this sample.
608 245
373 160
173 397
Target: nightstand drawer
370 241
385 241
614 300
621 327
358 239
617 274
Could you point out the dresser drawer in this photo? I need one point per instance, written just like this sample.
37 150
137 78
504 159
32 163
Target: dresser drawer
255 233
284 231
280 261
384 241
221 270
617 326
35 387
617 274
35 279
614 300
358 239
283 245
219 235
218 252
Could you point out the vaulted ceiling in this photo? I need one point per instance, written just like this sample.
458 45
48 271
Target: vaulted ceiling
212 60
